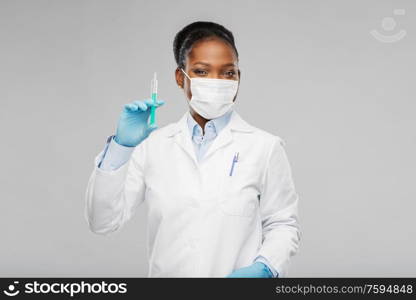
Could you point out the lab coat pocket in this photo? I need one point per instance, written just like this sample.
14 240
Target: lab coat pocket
239 192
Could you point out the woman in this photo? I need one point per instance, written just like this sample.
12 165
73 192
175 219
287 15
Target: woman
221 199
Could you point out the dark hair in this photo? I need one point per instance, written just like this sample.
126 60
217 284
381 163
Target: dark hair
197 31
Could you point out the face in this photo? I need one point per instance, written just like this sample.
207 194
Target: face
209 59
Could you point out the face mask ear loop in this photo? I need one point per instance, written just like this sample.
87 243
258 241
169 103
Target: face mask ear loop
185 74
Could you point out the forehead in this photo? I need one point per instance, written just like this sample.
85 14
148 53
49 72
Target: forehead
212 51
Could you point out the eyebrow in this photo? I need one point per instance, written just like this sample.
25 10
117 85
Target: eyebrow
201 63
230 65
206 64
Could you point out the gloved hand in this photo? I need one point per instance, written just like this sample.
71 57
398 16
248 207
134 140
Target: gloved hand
133 125
256 270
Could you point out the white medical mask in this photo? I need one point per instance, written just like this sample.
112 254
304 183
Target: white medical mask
212 98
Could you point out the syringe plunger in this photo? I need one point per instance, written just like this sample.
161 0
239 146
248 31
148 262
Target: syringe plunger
154 84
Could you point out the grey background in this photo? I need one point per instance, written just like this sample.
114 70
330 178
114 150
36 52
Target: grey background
311 73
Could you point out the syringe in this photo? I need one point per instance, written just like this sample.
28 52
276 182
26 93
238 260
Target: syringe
153 93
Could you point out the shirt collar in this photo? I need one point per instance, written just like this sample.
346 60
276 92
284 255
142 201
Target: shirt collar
217 124
236 123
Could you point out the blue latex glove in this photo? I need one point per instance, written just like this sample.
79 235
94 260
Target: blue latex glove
133 125
256 270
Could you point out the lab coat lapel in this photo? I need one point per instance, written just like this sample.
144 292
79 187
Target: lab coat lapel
182 137
225 136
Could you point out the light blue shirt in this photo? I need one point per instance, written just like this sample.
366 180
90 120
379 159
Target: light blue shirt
212 128
115 155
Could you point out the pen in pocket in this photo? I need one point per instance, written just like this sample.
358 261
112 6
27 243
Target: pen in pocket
235 159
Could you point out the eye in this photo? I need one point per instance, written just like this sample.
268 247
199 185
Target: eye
200 72
230 74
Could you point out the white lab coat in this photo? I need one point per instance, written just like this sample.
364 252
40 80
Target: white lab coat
203 222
